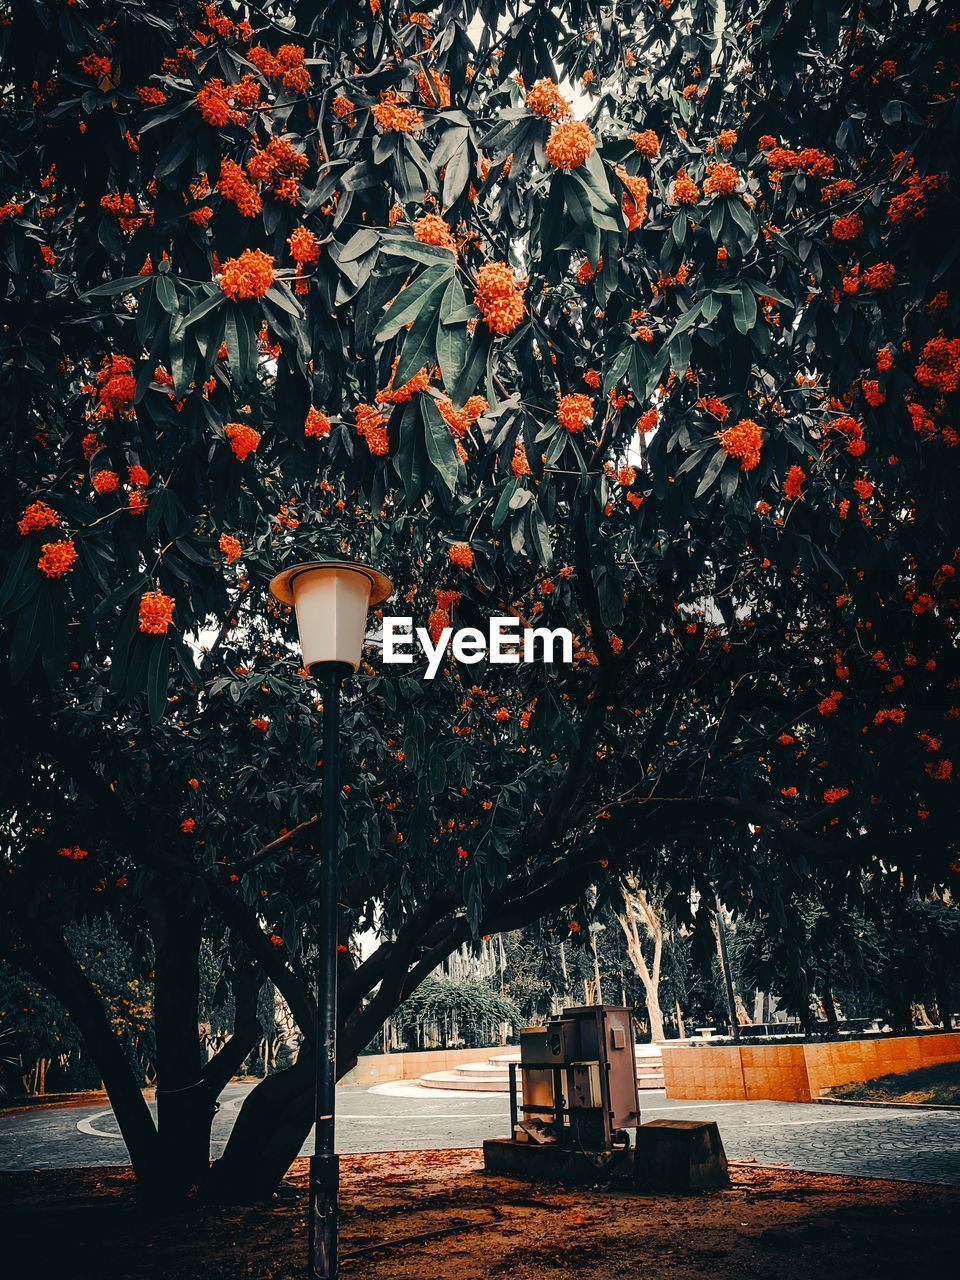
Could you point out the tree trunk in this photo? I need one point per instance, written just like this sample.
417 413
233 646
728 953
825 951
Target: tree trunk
268 1134
638 907
51 961
185 1103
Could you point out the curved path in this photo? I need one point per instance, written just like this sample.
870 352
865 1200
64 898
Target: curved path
888 1142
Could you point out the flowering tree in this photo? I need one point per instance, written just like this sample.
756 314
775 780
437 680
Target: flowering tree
637 322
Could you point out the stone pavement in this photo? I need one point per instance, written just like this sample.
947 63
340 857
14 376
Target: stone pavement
921 1146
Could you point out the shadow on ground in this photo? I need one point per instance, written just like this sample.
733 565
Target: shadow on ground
435 1214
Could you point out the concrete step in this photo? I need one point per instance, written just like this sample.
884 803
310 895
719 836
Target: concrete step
493 1075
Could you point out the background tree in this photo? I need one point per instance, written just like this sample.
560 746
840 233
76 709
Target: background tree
678 374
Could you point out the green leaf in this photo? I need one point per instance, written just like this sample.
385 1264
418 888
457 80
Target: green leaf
19 565
441 448
410 301
360 242
475 363
713 470
209 304
451 338
539 535
167 294
157 674
126 284
28 632
419 346
744 306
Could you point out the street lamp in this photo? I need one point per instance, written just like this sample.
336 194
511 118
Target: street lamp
331 599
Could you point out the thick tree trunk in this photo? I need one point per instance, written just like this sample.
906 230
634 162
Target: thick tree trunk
269 1132
185 1102
51 961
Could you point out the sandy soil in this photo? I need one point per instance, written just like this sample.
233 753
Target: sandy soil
434 1215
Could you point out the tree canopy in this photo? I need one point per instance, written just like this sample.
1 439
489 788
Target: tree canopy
636 321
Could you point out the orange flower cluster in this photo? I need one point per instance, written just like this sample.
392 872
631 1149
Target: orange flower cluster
816 163
57 558
124 208
317 423
545 99
634 203
230 547
574 411
249 276
853 430
73 852
224 27
341 106
287 65
518 463
401 395
726 139
431 229
437 620
370 426
714 406
847 227
458 420
393 116
235 186
116 387
743 441
939 365
156 613
461 554
722 179
881 276
685 190
304 247
570 144
96 65
38 515
499 297
222 104
434 89
648 420
151 96
833 794
138 475
793 482
911 203
647 143
837 190
939 770
281 166
243 439
105 481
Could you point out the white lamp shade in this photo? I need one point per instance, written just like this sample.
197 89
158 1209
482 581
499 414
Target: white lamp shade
331 600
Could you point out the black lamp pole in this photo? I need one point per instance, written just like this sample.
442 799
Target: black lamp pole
324 1163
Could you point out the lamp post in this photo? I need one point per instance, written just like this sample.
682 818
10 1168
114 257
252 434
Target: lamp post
331 599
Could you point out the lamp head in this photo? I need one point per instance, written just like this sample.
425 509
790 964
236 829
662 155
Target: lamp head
331 599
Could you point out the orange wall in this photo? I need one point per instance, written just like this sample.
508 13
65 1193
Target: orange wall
796 1072
375 1068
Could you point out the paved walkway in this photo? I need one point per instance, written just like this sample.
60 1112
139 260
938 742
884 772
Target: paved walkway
920 1146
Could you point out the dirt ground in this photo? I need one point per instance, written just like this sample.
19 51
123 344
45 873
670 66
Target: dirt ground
434 1215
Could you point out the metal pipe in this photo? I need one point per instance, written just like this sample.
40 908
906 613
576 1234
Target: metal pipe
324 1163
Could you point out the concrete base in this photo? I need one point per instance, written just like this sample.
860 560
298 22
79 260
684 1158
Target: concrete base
679 1155
551 1163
